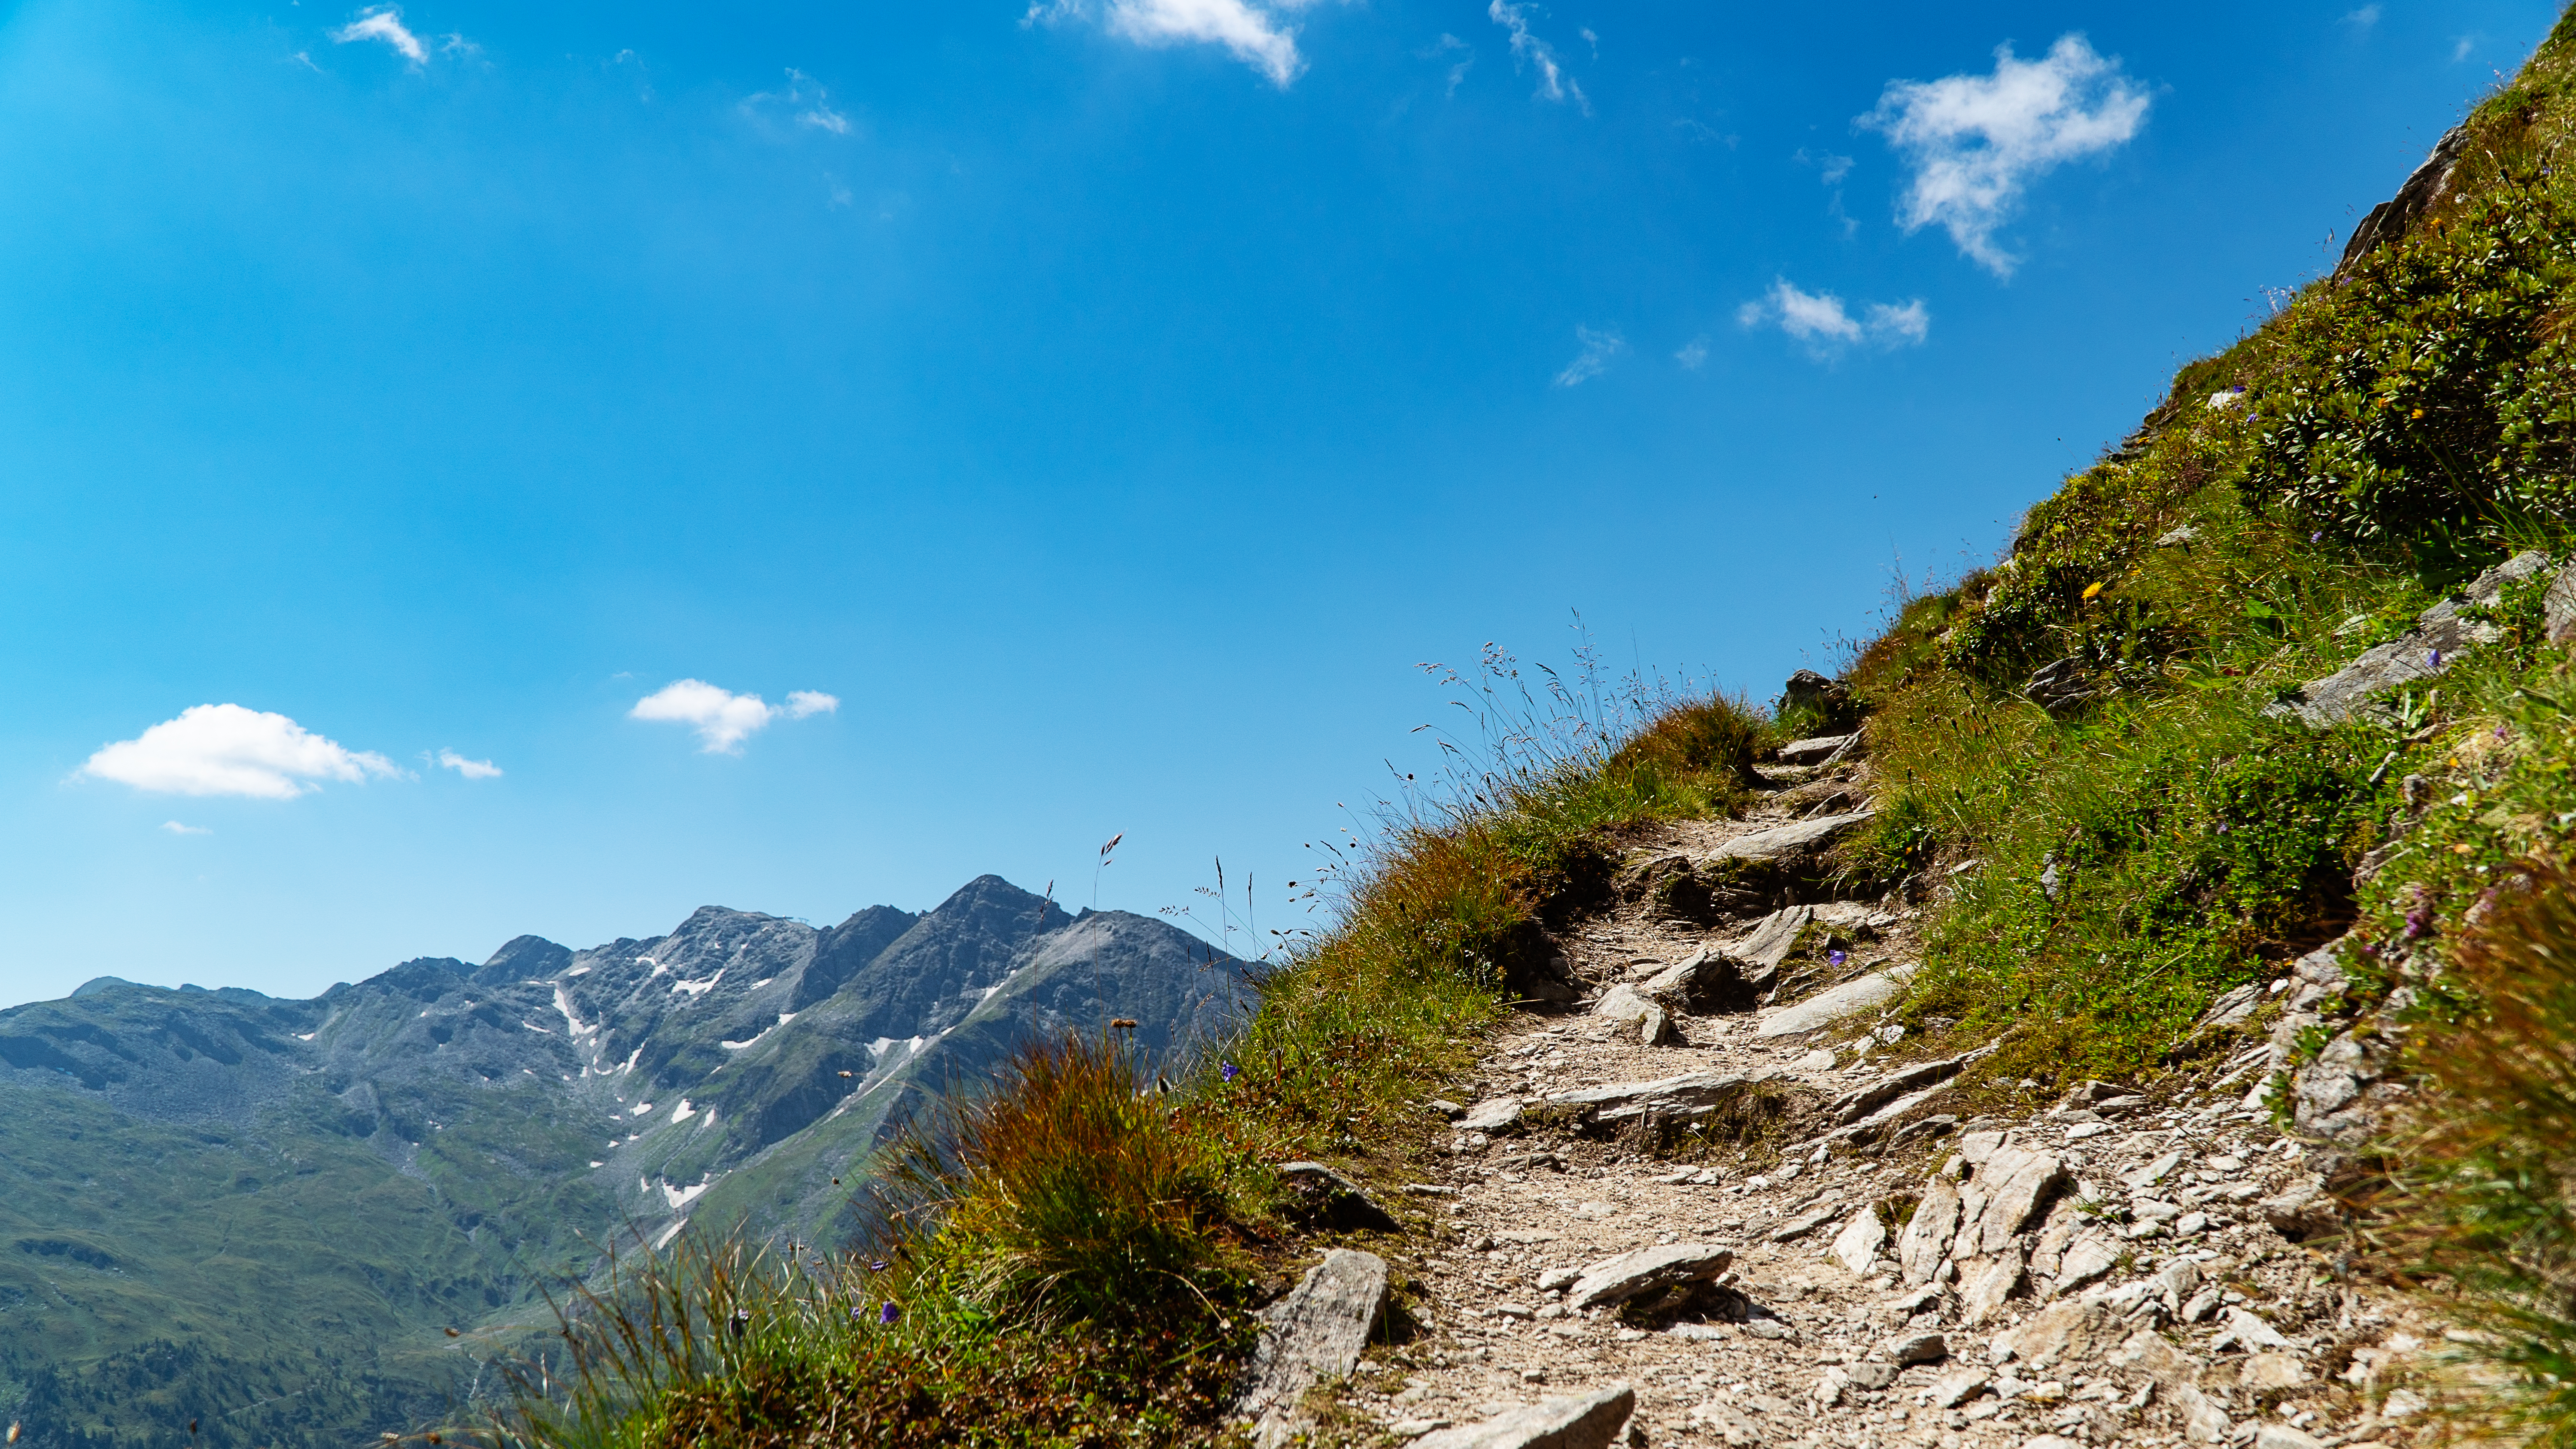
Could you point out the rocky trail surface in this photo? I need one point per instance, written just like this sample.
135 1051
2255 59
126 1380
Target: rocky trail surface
2099 1268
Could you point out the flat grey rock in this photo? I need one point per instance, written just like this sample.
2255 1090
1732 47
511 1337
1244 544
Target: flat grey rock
1826 1007
1494 1114
2006 1196
2423 652
1926 1239
1859 1102
1811 750
1857 1245
2560 607
1781 841
1647 1270
1690 1094
1908 1349
1576 1421
1985 1284
1768 944
1317 1332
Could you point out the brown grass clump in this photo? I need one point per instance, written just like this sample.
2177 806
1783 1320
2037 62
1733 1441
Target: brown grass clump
2492 1161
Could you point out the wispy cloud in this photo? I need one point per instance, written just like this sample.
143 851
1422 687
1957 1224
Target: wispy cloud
2361 19
805 100
1250 33
1528 49
1977 141
1598 347
1693 354
722 718
1448 45
384 23
224 749
1827 327
470 769
175 828
2461 47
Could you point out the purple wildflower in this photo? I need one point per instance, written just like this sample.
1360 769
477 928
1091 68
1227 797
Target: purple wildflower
889 1313
2320 533
2433 659
1834 958
1229 1071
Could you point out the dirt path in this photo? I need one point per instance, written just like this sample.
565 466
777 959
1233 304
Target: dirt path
2119 1273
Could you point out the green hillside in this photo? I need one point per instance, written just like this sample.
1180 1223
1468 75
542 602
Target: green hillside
2284 676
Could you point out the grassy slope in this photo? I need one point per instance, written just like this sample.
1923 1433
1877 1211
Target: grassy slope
2136 855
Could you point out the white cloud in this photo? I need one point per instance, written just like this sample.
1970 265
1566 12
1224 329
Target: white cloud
1977 141
470 769
175 828
1598 348
1826 326
1553 83
1448 45
224 749
1693 355
2361 19
384 23
2460 48
722 718
1250 33
807 101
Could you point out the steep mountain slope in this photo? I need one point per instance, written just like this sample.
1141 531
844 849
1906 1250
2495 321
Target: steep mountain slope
263 1214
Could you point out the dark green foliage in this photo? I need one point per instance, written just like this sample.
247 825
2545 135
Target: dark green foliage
2441 405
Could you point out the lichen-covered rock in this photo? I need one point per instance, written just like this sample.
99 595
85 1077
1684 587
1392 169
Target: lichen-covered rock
1318 1331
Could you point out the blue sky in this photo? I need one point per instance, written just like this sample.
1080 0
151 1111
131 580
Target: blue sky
1066 421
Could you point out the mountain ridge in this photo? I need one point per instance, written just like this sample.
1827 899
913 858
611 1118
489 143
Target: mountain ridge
203 1188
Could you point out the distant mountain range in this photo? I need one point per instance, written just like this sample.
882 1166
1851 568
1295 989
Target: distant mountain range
264 1214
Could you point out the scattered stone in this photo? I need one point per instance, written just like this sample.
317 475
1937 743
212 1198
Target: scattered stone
1958 1386
1586 1421
2052 1441
1330 1197
1870 1375
1415 1428
2303 1210
2090 1256
1803 1224
2271 1371
1495 1114
2072 1329
2559 609
1630 1007
2245 1330
2007 1195
1834 1003
1647 1270
1318 1331
1861 1101
1444 1107
2282 1436
2154 1172
1909 1349
1987 1284
1857 1245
